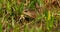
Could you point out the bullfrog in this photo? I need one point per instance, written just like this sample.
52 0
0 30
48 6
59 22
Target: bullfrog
30 13
33 13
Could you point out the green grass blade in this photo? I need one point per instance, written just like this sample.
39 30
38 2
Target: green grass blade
0 26
25 28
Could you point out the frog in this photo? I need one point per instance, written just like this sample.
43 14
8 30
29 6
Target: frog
30 13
